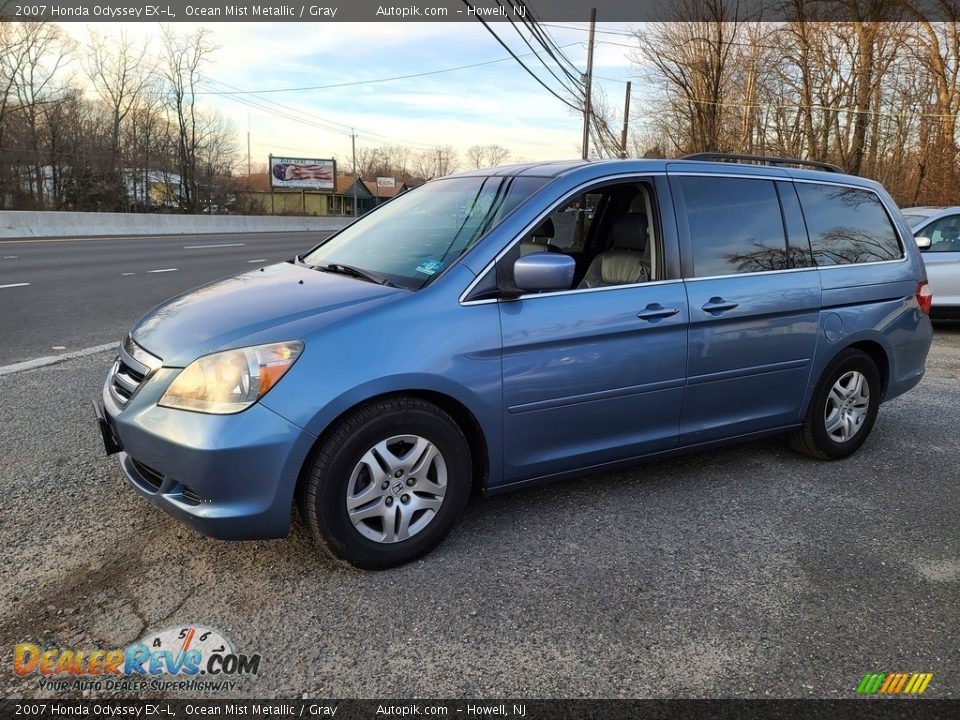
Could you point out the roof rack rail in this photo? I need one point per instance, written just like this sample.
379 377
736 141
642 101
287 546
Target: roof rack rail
735 158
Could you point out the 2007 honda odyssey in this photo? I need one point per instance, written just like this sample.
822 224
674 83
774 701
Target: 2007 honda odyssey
510 326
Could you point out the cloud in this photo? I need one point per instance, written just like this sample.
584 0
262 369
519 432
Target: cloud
496 103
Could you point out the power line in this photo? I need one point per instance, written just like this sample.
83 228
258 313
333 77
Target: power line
282 110
299 116
563 83
599 31
371 81
520 62
538 26
547 42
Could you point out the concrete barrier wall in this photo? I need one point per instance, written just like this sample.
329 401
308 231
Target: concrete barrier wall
25 224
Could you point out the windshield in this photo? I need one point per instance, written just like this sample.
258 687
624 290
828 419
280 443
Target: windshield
914 220
413 238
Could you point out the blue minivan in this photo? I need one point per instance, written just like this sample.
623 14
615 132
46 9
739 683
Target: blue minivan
516 325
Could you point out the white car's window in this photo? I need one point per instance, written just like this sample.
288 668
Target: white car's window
944 234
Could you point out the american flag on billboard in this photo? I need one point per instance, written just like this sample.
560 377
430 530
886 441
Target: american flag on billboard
302 173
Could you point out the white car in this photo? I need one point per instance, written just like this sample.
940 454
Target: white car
937 231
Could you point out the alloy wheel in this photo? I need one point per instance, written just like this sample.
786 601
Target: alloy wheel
847 405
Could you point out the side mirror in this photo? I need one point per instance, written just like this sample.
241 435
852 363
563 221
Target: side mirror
541 272
923 242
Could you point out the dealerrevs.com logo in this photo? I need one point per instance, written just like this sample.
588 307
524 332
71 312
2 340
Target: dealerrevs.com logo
898 683
185 653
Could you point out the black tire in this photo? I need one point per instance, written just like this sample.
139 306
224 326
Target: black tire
812 438
324 491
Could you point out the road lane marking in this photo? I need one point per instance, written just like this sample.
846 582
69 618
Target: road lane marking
200 247
14 285
127 274
54 359
9 257
257 260
163 270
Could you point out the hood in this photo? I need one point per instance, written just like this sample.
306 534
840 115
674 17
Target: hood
218 316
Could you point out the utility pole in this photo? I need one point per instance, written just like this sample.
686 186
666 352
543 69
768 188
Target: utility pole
626 122
588 83
248 147
353 145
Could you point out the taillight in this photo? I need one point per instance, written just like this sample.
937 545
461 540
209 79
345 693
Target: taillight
924 297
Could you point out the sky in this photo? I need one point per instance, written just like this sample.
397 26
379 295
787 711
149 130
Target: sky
495 103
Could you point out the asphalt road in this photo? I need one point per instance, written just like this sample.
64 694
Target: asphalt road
744 572
74 294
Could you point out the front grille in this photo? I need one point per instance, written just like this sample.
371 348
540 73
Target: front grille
126 379
132 366
154 478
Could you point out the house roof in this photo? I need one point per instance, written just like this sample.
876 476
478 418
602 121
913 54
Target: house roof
345 185
385 192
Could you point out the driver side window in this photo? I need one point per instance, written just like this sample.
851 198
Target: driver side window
944 234
565 229
609 232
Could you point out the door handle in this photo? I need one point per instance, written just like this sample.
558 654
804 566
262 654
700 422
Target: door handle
655 311
717 305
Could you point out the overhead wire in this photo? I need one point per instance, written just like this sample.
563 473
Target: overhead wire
547 42
563 82
371 81
530 72
289 113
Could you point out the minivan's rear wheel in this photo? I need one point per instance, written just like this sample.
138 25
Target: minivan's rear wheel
843 408
388 483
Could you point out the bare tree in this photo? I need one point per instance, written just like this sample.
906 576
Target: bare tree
398 161
183 60
692 61
14 45
447 160
41 50
475 156
425 164
121 75
217 157
479 156
604 126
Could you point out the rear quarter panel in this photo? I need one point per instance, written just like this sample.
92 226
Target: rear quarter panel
873 303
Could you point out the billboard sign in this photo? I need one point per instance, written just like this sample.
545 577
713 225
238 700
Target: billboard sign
302 173
386 182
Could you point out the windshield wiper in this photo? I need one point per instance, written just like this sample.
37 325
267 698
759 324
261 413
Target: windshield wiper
352 271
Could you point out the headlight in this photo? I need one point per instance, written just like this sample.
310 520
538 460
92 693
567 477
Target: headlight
231 381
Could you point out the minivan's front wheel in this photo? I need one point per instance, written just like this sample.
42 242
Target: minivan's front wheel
843 408
388 483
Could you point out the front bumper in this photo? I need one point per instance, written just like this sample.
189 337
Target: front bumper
227 476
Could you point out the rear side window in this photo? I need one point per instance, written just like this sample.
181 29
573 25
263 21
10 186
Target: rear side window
735 225
847 225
